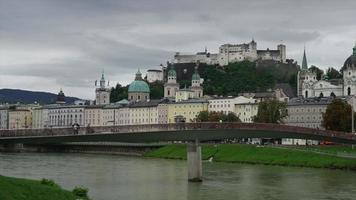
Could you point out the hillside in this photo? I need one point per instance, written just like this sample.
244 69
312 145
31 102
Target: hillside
248 76
27 97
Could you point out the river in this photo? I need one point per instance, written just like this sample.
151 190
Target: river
112 177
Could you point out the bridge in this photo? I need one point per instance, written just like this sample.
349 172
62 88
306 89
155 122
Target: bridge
191 132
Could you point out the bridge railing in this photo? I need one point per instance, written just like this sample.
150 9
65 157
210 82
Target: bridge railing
174 127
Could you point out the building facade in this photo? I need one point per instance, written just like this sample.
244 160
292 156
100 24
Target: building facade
102 94
138 89
171 86
4 112
309 86
154 75
186 111
20 118
230 53
65 116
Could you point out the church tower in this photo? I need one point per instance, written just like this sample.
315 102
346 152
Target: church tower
305 79
60 97
196 86
349 74
102 94
171 86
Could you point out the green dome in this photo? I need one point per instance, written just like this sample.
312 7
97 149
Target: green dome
139 86
172 72
196 77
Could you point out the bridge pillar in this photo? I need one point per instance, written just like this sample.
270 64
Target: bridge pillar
194 162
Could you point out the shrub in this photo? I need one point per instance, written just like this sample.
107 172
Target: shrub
80 192
49 182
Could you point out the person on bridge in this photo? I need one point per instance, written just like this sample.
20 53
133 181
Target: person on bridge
76 127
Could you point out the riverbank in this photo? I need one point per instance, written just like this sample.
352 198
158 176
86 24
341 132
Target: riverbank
237 153
24 189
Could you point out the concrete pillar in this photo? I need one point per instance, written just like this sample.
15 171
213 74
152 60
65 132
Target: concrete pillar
194 162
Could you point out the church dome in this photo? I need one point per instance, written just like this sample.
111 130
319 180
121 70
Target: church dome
138 85
350 61
172 72
196 77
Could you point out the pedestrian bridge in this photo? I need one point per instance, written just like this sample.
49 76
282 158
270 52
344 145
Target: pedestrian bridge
171 132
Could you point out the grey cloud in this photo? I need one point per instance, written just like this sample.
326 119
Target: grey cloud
120 36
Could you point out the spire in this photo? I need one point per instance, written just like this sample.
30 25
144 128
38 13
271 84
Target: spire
102 75
304 63
354 50
138 75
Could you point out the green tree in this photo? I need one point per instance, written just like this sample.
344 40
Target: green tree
337 116
318 71
118 93
205 116
156 90
271 111
333 73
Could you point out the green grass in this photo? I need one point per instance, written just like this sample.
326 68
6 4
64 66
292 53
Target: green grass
258 155
24 189
330 149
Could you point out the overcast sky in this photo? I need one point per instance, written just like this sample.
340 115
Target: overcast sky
46 45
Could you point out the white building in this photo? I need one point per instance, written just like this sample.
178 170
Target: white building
93 115
307 113
230 53
154 75
309 86
226 105
144 112
4 118
102 94
246 111
65 116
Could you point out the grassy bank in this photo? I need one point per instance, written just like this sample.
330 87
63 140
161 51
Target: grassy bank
258 155
24 189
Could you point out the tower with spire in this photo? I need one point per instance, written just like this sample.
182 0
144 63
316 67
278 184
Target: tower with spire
306 79
60 97
171 86
196 86
102 93
304 62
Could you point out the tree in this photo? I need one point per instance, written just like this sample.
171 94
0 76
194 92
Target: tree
333 73
118 93
203 116
271 111
206 116
156 90
337 116
318 71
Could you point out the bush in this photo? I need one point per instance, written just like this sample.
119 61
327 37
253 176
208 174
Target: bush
81 192
49 182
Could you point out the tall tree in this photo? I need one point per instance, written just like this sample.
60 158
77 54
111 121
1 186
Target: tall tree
333 73
118 93
271 111
318 71
205 116
337 116
156 90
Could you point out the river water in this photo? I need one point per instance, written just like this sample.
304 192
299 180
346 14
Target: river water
112 177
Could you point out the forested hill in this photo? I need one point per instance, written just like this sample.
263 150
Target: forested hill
27 97
231 80
248 77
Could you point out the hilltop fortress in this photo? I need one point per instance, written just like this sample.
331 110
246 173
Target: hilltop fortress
230 53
